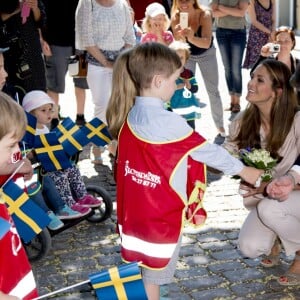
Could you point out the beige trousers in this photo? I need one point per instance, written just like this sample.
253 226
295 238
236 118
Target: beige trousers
270 219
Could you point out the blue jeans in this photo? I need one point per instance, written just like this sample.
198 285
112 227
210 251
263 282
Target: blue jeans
48 195
51 194
232 44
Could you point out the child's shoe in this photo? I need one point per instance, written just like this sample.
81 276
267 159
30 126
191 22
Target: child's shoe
81 209
55 223
66 213
80 120
89 201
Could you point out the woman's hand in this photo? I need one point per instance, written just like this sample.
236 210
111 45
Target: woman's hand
178 32
46 48
265 50
33 4
280 188
188 33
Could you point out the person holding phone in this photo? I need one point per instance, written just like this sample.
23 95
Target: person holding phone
198 34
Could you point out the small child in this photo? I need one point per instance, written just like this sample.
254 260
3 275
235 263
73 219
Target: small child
68 182
61 210
155 25
16 277
159 157
184 102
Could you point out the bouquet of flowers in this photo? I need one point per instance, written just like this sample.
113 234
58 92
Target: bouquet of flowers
259 159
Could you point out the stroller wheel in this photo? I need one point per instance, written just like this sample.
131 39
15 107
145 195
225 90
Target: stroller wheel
39 246
104 211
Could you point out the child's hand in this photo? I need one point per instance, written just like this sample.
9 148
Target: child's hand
8 297
26 169
180 86
250 175
250 190
187 84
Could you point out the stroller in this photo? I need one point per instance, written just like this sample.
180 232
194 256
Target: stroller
40 245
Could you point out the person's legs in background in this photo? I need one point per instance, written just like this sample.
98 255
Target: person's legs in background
56 69
80 85
238 43
224 38
208 66
99 80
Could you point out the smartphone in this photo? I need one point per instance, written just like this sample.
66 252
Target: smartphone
184 20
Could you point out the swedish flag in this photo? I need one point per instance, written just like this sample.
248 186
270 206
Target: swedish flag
4 227
28 138
50 152
29 218
70 136
97 132
123 282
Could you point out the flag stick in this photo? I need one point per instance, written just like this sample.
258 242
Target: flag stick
66 288
62 289
13 174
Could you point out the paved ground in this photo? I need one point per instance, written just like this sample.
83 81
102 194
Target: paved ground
210 265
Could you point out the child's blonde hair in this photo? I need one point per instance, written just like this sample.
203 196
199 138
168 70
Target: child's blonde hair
13 118
181 45
133 72
146 27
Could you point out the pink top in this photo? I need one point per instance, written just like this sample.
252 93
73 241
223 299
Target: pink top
151 37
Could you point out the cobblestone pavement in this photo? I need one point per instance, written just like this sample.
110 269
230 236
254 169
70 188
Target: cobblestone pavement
210 265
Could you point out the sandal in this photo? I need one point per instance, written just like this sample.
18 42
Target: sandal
272 260
236 108
229 108
290 278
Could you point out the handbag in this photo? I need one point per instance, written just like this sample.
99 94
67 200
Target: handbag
78 65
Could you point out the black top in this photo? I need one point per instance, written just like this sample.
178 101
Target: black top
23 61
60 27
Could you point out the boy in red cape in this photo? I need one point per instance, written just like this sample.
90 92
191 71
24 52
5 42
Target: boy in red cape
16 277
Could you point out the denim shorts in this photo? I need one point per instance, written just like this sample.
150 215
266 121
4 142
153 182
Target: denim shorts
81 83
57 68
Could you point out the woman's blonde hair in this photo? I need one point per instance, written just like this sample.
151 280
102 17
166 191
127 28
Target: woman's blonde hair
13 118
282 112
175 9
133 72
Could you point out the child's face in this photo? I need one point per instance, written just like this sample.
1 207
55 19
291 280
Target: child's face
158 22
43 114
9 145
3 73
181 54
